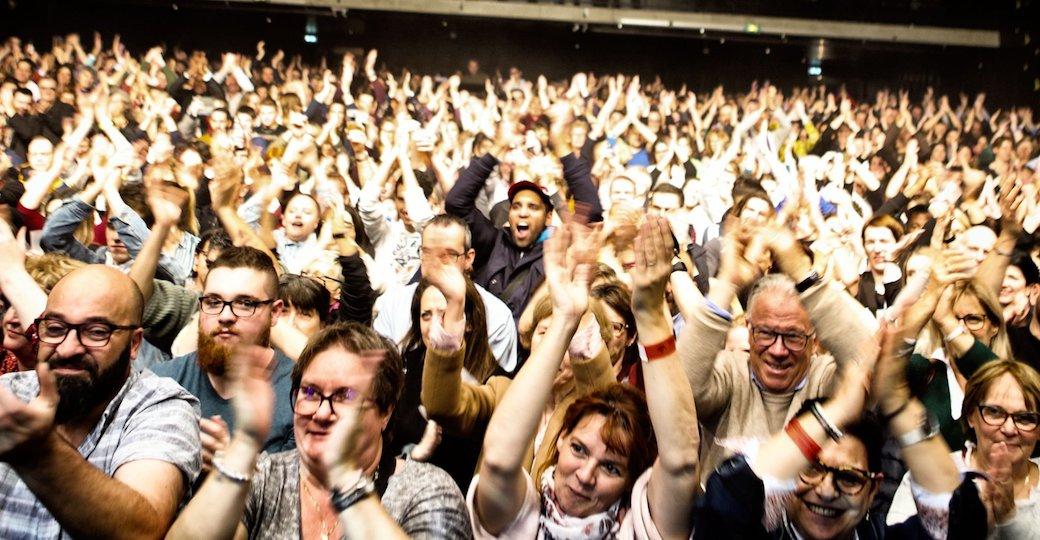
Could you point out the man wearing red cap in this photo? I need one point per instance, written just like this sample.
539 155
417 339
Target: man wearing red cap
509 262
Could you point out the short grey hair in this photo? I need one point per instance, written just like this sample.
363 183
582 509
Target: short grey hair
774 283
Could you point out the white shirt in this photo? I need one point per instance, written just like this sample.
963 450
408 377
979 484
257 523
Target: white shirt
394 318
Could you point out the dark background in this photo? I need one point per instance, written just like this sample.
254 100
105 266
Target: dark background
443 44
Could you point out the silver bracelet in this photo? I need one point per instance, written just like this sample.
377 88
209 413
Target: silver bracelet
230 475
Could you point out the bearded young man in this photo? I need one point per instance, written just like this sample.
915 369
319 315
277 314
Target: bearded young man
88 446
238 306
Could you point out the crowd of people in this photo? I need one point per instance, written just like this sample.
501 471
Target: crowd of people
338 301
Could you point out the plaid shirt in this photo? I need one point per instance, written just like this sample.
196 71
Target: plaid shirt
150 418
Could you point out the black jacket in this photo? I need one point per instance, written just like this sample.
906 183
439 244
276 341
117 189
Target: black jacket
507 271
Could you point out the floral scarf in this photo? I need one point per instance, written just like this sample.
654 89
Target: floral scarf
554 524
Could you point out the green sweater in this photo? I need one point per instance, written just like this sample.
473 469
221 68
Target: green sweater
929 383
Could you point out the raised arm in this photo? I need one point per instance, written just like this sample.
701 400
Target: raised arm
669 397
166 214
501 489
991 270
26 297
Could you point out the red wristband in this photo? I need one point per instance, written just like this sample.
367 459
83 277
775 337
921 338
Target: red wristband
809 448
660 350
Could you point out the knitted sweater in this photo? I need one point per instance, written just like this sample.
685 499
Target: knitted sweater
731 407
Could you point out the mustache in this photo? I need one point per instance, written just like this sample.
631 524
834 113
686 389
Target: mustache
75 362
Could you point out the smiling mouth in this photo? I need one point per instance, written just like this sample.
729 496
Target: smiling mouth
822 511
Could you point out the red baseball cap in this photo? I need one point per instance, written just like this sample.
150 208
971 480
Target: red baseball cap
522 185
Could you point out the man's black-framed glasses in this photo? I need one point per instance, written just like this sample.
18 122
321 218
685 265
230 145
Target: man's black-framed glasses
90 334
240 307
847 480
764 338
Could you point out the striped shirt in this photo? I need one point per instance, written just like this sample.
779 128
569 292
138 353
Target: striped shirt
150 418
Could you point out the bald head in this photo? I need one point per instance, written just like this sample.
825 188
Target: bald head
98 291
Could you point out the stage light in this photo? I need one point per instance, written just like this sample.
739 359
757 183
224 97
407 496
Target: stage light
310 30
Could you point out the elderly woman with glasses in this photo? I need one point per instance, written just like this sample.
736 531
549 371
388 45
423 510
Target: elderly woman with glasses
1002 412
347 373
960 328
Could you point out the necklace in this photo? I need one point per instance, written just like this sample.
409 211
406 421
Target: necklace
326 531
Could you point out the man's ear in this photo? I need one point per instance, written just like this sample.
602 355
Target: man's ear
277 309
471 254
136 338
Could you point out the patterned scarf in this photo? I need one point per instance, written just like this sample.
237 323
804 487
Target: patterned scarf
554 524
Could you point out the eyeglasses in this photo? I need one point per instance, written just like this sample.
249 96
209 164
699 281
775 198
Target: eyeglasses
794 341
618 328
89 334
445 256
309 399
973 322
240 307
997 416
847 480
322 278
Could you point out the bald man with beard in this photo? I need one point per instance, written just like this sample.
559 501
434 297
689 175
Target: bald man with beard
89 447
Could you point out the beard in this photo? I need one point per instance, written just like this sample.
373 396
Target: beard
213 357
79 395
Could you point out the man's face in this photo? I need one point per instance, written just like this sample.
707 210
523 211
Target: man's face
22 103
48 91
778 368
301 218
40 154
268 115
579 134
824 510
755 211
446 244
663 204
22 72
89 376
218 333
622 190
527 218
878 242
116 248
219 121
979 241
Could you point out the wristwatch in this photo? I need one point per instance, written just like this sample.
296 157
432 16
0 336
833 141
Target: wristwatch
928 428
341 500
812 279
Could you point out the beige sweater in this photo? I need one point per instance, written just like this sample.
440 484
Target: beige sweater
731 408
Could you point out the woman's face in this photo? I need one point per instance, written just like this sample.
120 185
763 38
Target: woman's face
307 322
1006 394
300 218
14 338
620 335
1013 287
431 304
589 477
332 370
970 313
